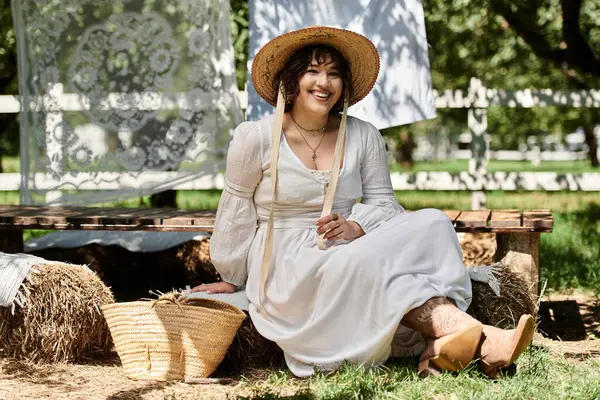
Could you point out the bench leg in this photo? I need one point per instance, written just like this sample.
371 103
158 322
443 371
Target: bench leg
11 240
521 252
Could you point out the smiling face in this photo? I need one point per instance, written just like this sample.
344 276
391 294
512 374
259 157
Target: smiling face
316 79
320 87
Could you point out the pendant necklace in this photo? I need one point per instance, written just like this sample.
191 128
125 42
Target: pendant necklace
311 131
314 150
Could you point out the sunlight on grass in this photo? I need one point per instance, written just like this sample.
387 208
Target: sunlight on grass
12 164
538 376
455 166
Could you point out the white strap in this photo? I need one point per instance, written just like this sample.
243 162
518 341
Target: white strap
268 251
329 196
335 171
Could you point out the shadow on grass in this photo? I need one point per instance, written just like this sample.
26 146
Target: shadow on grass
570 256
302 395
561 320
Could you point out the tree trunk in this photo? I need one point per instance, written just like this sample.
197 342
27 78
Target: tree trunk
592 143
168 199
405 149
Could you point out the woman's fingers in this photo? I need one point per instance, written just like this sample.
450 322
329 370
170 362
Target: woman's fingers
328 218
328 226
333 233
329 223
200 288
218 287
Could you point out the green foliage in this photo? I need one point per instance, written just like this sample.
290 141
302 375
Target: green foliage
239 29
570 256
8 45
472 38
9 127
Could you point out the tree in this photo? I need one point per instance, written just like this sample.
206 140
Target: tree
517 45
239 30
9 131
570 42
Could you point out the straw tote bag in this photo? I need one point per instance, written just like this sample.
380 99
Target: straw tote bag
170 338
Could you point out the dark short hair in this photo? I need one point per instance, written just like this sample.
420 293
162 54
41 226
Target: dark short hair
296 67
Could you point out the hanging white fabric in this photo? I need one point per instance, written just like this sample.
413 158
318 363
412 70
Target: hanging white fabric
403 93
131 96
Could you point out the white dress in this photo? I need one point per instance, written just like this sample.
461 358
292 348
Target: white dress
345 302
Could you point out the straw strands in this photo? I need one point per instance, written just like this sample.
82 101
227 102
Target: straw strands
505 310
502 311
60 319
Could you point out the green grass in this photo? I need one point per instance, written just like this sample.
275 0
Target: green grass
455 166
539 376
12 164
569 256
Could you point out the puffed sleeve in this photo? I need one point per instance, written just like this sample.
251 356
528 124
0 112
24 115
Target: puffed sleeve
378 203
236 220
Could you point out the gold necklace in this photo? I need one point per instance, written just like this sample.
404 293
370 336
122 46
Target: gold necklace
314 156
311 131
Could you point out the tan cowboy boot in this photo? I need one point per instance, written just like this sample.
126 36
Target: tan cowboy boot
500 348
453 336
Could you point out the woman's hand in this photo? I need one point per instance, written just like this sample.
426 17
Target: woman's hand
217 287
337 227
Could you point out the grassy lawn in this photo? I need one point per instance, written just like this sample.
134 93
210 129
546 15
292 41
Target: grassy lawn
12 164
455 166
539 376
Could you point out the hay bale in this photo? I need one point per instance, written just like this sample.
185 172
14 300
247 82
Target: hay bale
478 248
250 351
505 310
132 275
60 319
195 258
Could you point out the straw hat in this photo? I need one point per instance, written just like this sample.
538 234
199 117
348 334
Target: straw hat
361 54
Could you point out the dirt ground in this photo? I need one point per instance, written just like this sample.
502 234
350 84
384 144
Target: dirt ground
569 326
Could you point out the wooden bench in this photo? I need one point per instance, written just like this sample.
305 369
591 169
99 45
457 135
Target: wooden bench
517 232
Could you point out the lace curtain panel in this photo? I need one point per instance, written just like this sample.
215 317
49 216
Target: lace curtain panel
131 96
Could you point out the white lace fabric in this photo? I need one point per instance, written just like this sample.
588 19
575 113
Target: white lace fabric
122 93
322 175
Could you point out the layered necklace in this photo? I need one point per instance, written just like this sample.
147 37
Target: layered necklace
312 132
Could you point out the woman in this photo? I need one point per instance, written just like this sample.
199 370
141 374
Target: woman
330 279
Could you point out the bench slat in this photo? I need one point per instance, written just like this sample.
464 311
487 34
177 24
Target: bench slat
473 219
190 218
538 219
21 215
169 220
505 219
177 218
452 214
129 216
90 216
55 215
